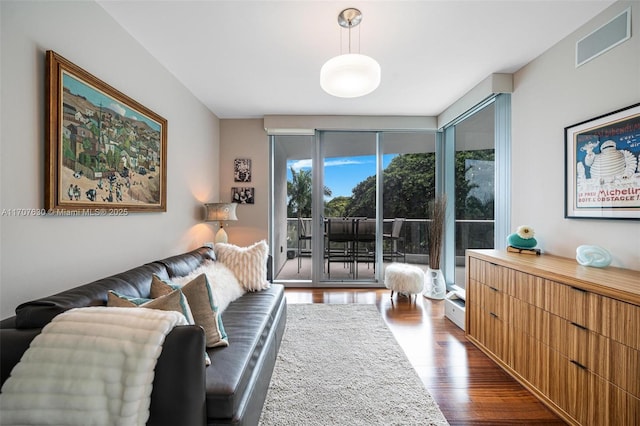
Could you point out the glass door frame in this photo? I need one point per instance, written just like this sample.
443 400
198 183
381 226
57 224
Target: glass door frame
445 158
317 194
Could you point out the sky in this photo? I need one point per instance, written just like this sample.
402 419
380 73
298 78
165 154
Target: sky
97 97
342 174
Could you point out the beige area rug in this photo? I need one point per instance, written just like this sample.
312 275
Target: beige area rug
341 365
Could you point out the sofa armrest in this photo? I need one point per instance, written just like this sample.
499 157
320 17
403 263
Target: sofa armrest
178 396
13 343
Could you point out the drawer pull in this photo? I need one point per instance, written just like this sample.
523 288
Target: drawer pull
576 363
493 288
493 315
581 327
579 289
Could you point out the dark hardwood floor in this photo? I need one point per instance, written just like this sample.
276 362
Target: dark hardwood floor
469 388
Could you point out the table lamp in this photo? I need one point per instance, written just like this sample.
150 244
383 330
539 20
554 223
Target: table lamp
220 212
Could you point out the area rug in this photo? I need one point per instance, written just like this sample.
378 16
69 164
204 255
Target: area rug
341 365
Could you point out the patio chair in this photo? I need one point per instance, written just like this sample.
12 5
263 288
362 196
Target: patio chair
391 240
365 243
340 242
304 234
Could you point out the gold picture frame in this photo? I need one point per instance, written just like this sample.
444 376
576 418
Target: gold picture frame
105 152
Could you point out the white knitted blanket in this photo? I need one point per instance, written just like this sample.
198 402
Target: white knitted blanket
89 366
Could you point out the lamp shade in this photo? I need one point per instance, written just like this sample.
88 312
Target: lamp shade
350 75
220 212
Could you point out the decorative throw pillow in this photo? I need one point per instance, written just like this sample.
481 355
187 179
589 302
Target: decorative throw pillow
249 264
200 297
172 301
222 281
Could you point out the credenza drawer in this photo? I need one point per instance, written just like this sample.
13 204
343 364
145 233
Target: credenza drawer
621 322
490 274
614 361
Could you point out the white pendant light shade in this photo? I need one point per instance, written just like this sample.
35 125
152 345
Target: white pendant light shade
350 75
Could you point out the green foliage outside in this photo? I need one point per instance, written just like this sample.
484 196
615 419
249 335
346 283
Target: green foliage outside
408 187
337 206
469 207
299 193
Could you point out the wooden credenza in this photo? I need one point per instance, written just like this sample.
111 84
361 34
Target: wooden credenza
568 333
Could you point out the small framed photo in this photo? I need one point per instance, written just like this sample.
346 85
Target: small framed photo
242 170
602 178
242 195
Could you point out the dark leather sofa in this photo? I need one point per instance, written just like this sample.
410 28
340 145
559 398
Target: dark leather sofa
231 390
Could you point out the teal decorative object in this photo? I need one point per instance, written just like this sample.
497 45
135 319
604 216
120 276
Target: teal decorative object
593 256
522 238
524 243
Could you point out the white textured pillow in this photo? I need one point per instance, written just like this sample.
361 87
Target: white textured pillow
224 284
249 264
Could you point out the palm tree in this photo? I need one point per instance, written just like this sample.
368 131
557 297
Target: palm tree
299 193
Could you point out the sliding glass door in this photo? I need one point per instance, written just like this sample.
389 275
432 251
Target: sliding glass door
409 185
365 194
475 154
348 197
291 207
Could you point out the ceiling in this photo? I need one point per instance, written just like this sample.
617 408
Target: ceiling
246 59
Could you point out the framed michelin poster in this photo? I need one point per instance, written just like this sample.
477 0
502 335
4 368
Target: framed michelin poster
105 152
602 176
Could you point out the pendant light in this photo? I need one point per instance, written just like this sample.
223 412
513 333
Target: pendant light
352 74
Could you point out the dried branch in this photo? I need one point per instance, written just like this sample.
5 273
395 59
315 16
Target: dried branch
437 210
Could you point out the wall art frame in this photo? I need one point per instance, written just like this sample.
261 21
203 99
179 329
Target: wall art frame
105 153
602 176
242 170
243 195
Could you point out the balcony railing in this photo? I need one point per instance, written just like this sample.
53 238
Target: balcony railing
476 234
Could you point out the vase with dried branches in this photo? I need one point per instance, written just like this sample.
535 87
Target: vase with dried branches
435 285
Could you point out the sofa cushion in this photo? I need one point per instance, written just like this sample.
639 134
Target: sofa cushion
203 307
251 322
172 301
249 264
135 282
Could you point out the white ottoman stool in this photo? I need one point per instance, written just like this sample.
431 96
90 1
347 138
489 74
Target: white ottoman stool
404 278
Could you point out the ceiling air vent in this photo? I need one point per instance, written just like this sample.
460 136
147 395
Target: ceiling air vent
604 38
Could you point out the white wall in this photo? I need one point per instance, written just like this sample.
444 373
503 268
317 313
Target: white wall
549 95
42 255
246 138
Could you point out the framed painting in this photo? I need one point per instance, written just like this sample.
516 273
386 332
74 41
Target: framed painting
602 179
242 170
242 195
106 154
